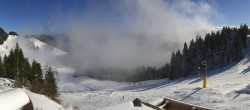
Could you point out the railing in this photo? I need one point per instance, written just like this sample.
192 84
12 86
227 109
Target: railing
171 104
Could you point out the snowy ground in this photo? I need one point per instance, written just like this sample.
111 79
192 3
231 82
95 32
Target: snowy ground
40 102
228 88
44 54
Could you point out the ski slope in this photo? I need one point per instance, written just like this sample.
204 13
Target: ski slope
228 88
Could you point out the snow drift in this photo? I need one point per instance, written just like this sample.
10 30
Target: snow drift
14 99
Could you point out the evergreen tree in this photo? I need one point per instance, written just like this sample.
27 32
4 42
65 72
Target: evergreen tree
178 65
164 71
30 74
12 33
243 31
198 51
236 50
1 68
38 82
191 55
184 65
172 67
24 72
218 49
224 47
3 35
5 65
50 84
19 73
10 65
16 66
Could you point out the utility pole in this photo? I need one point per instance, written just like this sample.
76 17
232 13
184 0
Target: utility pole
204 66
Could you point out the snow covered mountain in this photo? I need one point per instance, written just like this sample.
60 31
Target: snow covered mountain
228 87
32 49
39 51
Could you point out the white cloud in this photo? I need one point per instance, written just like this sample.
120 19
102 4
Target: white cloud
135 32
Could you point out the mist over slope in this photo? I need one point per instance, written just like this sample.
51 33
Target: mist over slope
34 49
143 32
227 88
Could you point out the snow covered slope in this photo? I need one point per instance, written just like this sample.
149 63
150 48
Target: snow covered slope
228 88
32 49
46 48
17 97
40 102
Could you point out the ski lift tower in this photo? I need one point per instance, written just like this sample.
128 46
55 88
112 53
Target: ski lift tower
204 66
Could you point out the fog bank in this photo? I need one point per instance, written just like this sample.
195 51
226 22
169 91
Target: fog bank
131 33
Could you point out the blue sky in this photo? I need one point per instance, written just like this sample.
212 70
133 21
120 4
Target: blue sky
234 11
16 14
35 14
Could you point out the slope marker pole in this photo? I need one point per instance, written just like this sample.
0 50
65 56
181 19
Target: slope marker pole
204 65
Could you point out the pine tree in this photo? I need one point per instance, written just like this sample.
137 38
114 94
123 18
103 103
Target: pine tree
31 74
178 65
19 73
191 56
167 70
13 33
184 65
218 49
172 66
3 35
10 65
5 65
243 31
199 56
224 47
50 84
26 73
1 68
19 56
164 71
38 82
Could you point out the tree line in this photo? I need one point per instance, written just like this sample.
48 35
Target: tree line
15 66
218 49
